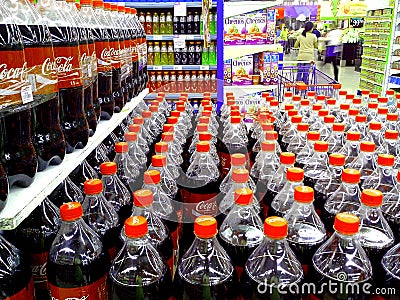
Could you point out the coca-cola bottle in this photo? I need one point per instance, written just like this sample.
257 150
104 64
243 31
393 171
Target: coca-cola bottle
82 173
3 187
218 278
140 265
78 263
101 215
15 278
390 263
47 135
126 170
34 237
66 191
97 157
95 19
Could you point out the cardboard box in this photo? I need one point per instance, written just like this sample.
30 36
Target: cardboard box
256 28
242 70
235 30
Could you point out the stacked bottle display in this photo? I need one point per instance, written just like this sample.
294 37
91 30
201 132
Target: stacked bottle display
180 190
76 66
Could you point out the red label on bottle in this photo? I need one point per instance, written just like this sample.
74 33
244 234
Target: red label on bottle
225 159
103 63
92 52
68 67
86 61
38 264
13 77
95 291
196 205
134 50
26 293
42 74
114 54
112 252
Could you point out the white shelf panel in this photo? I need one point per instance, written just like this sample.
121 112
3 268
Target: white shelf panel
181 67
374 58
175 96
231 52
373 70
241 7
22 201
241 90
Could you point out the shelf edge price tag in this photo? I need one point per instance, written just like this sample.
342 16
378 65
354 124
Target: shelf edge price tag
180 9
177 68
157 68
204 68
179 42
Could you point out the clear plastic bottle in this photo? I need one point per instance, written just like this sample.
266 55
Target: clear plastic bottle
78 263
207 137
238 161
384 177
218 280
306 231
391 208
242 230
139 270
299 140
116 193
336 140
100 215
265 165
351 148
375 134
341 259
66 191
135 152
142 143
273 267
161 148
390 263
307 152
82 173
284 200
168 182
392 122
265 127
291 132
365 162
126 170
345 199
317 167
390 144
375 234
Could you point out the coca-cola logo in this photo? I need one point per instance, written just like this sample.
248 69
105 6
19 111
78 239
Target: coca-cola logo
64 64
85 59
73 298
49 66
39 270
109 53
206 208
7 73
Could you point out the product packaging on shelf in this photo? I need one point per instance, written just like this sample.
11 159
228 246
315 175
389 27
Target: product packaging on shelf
271 65
256 28
270 36
242 70
235 30
228 72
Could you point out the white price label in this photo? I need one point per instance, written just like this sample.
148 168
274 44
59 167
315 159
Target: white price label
26 94
177 68
157 68
179 42
180 9
203 68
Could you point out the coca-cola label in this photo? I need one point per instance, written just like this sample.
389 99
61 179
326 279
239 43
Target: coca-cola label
27 293
38 264
112 54
13 77
103 63
92 51
135 55
68 67
42 70
199 205
95 291
86 62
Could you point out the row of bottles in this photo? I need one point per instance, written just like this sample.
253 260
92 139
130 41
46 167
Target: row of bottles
81 65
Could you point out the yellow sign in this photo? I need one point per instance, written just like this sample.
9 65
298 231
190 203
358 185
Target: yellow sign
352 9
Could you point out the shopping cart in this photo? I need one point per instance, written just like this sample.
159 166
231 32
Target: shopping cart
300 79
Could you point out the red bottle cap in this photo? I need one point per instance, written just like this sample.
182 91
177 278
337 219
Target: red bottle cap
86 2
329 119
288 94
295 174
302 127
311 94
267 126
390 92
271 135
235 113
201 127
107 5
292 113
160 99
143 198
392 117
383 100
136 227
398 96
172 120
180 107
317 107
206 113
371 197
269 98
268 146
121 147
108 168
138 120
331 101
134 128
287 158
346 223
235 120
375 126
205 227
274 103
321 146
175 113
296 119
349 97
321 98
313 135
304 194
383 110
161 94
289 107
152 177
240 175
93 186
156 102
161 147
344 106
167 137
386 160
130 136
391 134
205 120
351 176
353 136
243 196
230 102
121 8
367 146
205 136
338 127
337 159
323 113
71 211
153 108
98 3
238 159
206 94
296 98
184 94
372 105
168 127
365 92
305 102
235 108
203 147
146 114
357 101
373 96
361 118
342 93
158 160
353 112
275 227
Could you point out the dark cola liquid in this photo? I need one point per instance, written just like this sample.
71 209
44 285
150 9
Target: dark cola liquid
109 143
252 290
304 253
159 290
66 192
81 273
82 173
267 201
90 113
394 224
3 187
96 158
319 201
165 248
227 290
19 155
375 256
310 181
116 74
111 241
72 113
238 254
96 102
390 282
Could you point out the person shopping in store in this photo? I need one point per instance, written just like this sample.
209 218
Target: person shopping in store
284 39
334 48
307 42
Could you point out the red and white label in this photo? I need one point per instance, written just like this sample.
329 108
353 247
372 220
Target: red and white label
26 293
103 63
196 205
39 272
68 67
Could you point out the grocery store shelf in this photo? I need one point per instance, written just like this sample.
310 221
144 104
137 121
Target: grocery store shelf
231 52
170 37
175 96
248 89
181 67
160 4
376 33
241 7
374 58
370 81
394 71
375 46
22 201
372 70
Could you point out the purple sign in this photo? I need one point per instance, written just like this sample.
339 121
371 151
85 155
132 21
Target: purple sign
309 11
